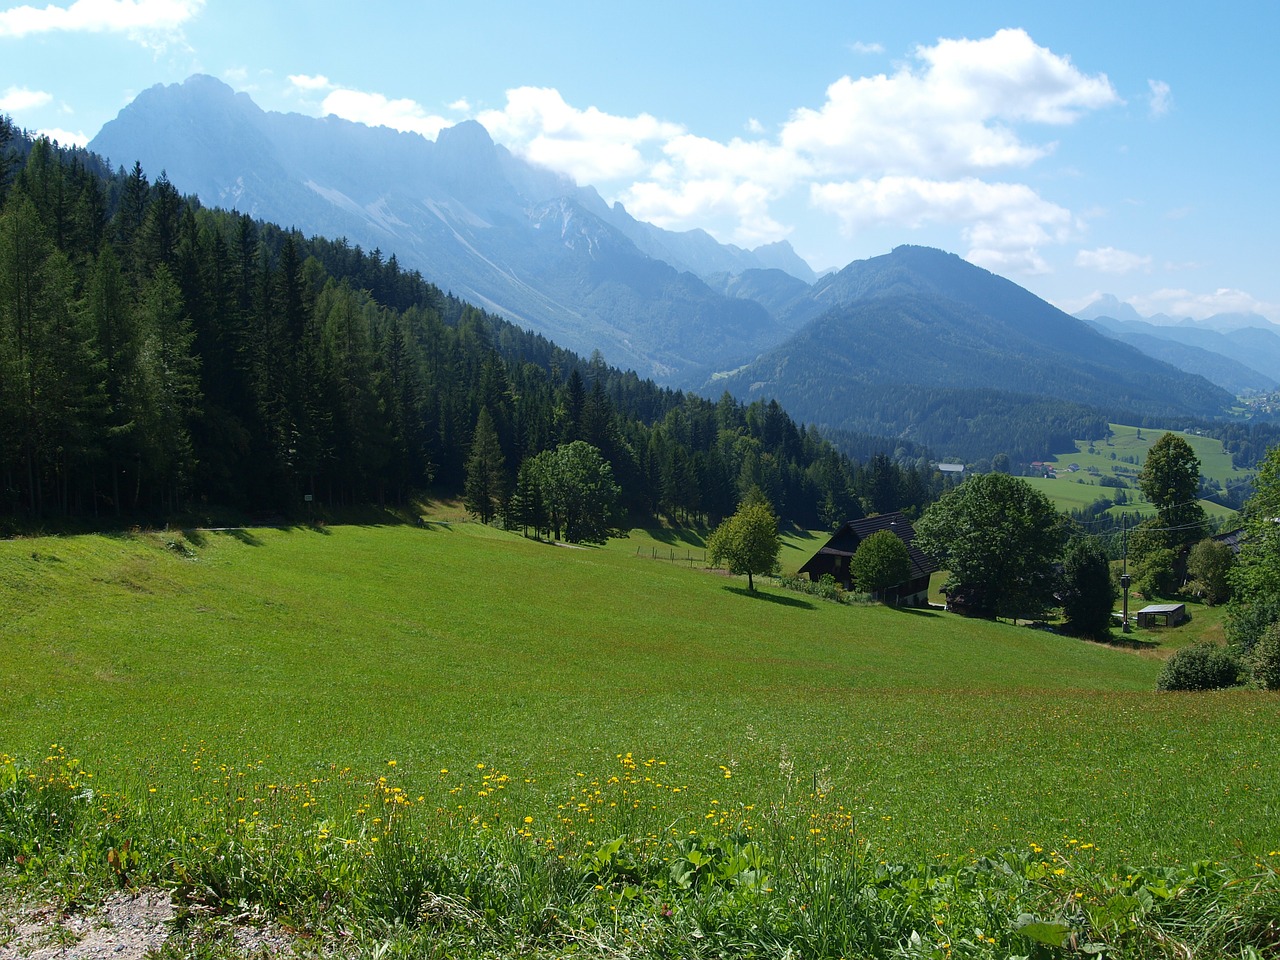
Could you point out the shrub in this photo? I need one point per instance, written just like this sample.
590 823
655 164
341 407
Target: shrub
1264 660
1246 623
1201 666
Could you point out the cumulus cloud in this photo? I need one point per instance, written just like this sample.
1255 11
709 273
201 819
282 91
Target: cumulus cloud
142 20
860 47
931 142
66 138
589 145
461 105
1111 260
1004 224
950 113
310 84
905 148
17 99
1161 97
376 110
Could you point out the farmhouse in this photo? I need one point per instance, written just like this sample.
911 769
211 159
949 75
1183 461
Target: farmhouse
833 557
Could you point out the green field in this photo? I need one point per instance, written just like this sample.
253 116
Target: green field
1121 456
197 668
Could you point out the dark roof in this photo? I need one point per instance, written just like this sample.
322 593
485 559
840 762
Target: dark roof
844 542
1232 538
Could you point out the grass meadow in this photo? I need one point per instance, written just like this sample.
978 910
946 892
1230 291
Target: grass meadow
1121 456
626 756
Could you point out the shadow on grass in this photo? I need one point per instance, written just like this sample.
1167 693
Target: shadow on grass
772 598
245 536
680 538
1129 642
800 533
914 611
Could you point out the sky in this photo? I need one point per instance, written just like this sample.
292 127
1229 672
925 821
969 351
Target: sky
1121 147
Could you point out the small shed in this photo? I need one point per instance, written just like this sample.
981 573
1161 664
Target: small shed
833 558
1162 615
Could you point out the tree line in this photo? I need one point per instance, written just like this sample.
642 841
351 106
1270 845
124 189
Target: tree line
161 358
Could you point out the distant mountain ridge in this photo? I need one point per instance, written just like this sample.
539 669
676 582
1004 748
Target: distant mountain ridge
922 344
517 239
1238 351
916 344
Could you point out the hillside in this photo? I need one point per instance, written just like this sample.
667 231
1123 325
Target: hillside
453 645
165 359
922 344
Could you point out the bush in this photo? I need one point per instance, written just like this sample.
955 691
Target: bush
1201 666
827 588
1246 623
1264 661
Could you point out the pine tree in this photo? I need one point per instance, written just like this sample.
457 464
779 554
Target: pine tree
485 490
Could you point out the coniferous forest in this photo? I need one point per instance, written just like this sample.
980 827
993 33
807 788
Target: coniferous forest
159 359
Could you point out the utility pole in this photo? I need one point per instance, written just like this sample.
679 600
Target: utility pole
1125 579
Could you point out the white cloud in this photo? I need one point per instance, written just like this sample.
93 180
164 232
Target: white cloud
905 148
310 84
376 110
142 20
951 113
1161 97
1179 303
860 47
66 138
1111 260
17 99
915 146
589 145
1004 224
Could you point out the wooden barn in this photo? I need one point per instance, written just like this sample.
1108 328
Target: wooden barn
833 558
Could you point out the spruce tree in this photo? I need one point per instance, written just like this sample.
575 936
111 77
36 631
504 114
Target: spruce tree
486 483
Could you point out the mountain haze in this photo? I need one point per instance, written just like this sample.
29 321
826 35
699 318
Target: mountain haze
515 238
1238 351
916 344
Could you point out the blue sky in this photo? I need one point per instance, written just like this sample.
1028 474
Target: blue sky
1123 147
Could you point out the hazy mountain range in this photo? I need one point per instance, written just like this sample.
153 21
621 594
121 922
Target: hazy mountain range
478 222
1240 352
916 343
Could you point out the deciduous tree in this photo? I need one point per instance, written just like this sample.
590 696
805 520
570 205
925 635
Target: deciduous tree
999 537
576 486
1088 592
1209 567
881 561
1257 573
747 542
1170 478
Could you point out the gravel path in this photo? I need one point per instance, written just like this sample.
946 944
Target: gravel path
128 925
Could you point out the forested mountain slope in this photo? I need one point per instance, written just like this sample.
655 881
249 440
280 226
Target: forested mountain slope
481 223
921 344
157 357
